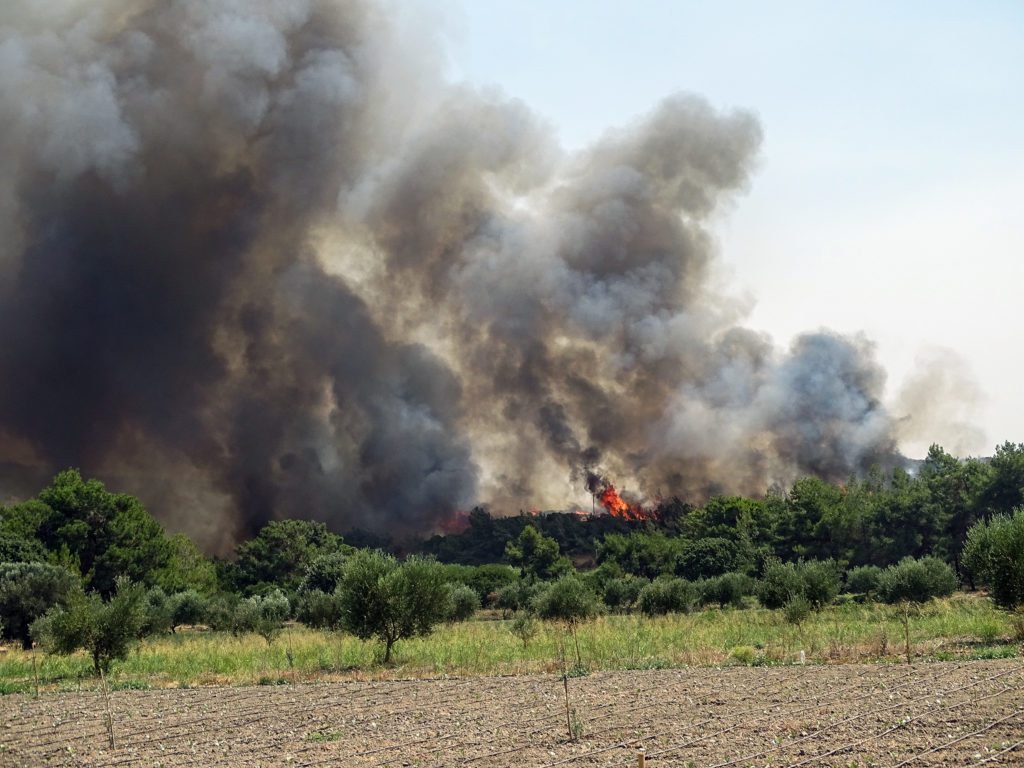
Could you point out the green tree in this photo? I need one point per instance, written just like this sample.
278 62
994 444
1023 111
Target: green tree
19 533
994 554
668 595
863 580
648 555
391 601
1005 490
263 614
622 594
28 591
568 600
463 602
281 552
707 557
916 580
106 630
186 608
108 535
186 568
537 555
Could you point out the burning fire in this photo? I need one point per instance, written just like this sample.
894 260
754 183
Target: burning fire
619 507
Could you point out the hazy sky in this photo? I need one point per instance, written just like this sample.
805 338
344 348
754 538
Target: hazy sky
891 177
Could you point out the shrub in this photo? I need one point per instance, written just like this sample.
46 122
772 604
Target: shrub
188 607
106 630
994 553
27 592
391 601
264 614
568 599
668 595
157 613
797 609
863 580
815 580
220 612
916 581
463 602
780 583
727 589
324 573
517 596
623 593
524 626
821 582
319 610
744 654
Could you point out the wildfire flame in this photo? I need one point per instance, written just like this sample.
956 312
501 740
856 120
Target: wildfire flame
616 506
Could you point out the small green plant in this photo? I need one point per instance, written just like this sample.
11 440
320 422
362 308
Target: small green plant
576 726
796 610
524 627
743 654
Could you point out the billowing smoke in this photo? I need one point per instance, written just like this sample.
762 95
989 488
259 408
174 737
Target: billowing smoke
259 260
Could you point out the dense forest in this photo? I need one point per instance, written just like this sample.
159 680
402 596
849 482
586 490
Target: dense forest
875 520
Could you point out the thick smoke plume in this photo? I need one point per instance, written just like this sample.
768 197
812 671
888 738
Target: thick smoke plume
259 260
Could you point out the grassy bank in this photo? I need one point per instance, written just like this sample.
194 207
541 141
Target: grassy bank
962 626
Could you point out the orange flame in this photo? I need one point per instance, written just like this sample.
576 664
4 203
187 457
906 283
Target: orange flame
619 507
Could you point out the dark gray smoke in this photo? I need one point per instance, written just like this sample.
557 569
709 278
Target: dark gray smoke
259 260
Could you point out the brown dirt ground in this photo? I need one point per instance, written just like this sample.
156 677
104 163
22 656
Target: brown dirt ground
934 714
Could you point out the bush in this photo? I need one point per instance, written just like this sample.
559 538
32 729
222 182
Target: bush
106 630
27 592
821 582
668 595
391 601
916 581
524 626
463 602
797 609
863 580
263 614
568 599
622 593
220 612
188 607
324 573
517 596
157 613
994 554
780 583
815 580
727 589
319 610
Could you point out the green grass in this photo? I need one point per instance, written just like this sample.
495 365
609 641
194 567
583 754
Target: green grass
964 626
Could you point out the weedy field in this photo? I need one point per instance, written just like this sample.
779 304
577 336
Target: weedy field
964 626
714 688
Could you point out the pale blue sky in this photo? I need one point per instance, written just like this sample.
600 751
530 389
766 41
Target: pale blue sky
888 192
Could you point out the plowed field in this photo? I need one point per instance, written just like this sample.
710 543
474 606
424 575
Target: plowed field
936 714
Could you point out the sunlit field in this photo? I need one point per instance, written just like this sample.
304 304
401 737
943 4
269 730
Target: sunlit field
963 626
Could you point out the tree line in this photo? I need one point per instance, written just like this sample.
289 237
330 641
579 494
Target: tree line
82 567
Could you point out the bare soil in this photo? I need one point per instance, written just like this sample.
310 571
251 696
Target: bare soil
933 714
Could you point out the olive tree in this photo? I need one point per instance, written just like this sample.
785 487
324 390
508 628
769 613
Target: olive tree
106 630
391 600
28 591
995 556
